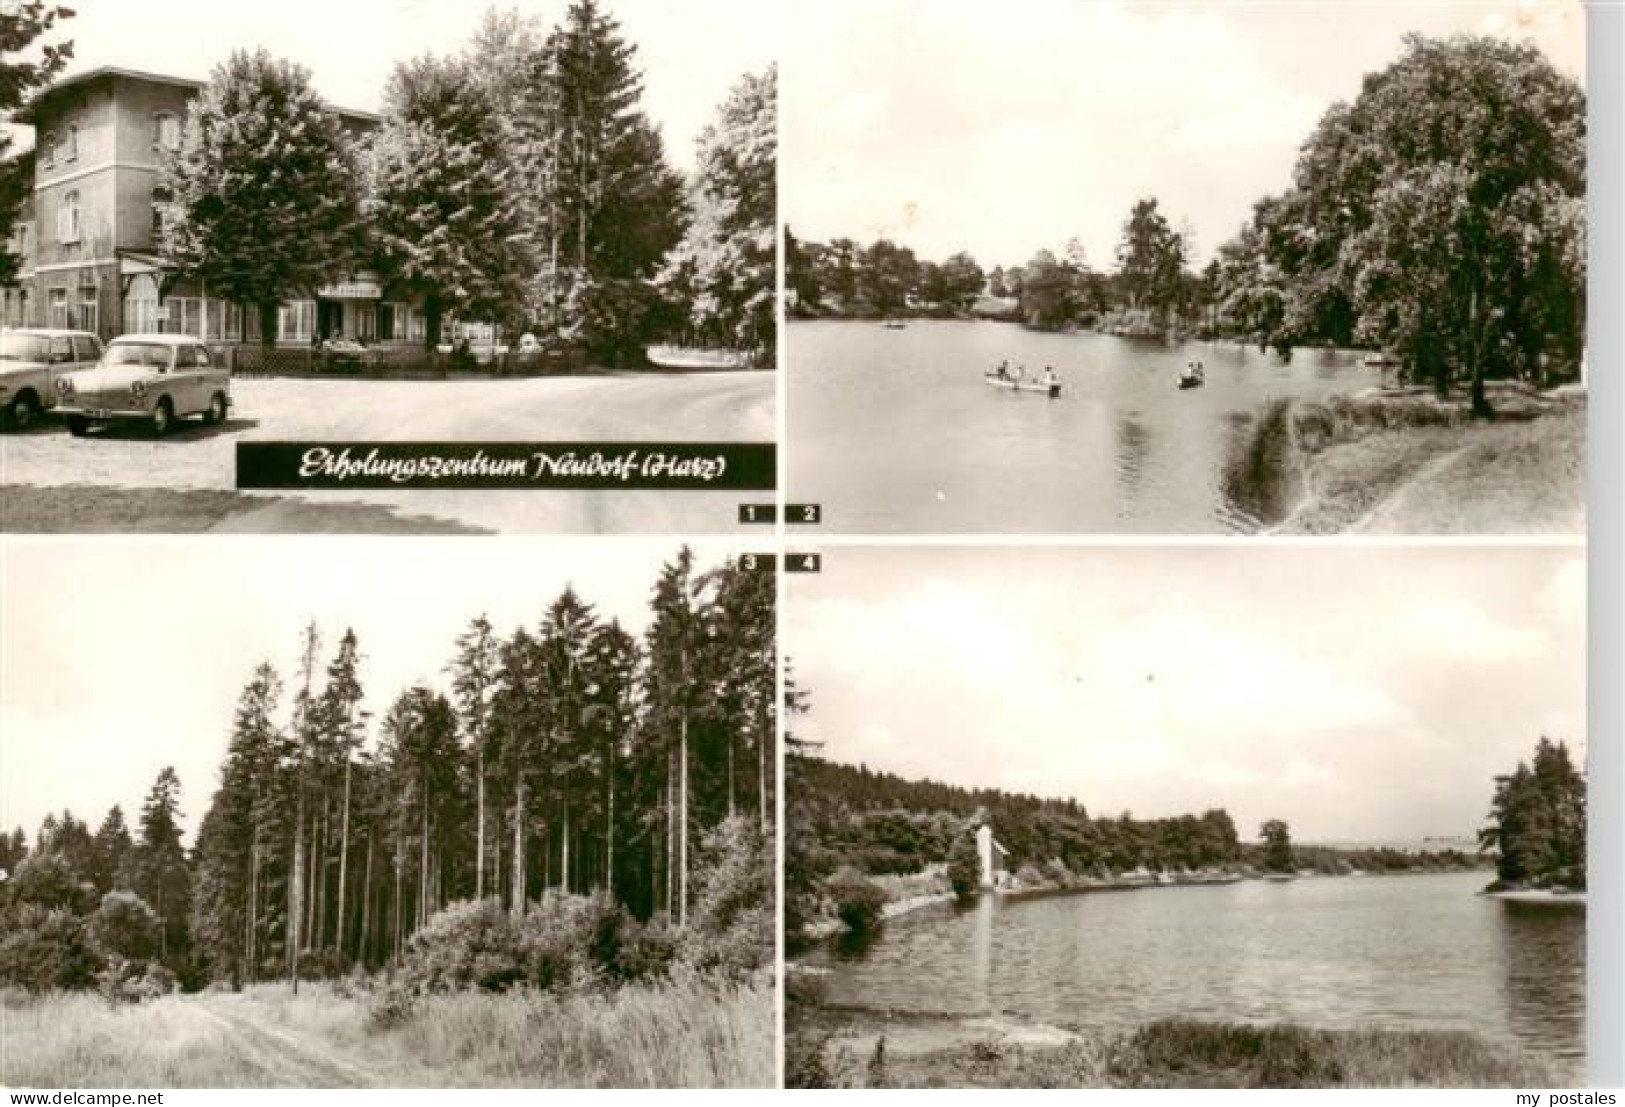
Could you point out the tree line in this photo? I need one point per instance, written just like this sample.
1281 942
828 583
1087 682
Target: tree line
1150 289
566 759
849 822
1538 822
1440 217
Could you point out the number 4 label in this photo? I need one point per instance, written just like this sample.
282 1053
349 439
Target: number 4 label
803 563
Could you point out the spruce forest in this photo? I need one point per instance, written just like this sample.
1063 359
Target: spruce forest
570 805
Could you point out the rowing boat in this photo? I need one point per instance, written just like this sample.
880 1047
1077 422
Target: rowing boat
1014 385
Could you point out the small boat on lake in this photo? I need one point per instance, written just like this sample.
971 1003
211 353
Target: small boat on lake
1017 384
894 325
693 358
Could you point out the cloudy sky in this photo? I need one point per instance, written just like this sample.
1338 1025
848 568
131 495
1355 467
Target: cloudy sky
351 45
121 656
1359 693
1003 129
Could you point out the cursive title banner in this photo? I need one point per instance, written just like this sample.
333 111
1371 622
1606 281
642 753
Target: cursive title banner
677 466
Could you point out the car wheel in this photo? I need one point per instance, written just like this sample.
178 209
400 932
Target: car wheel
163 417
217 410
78 425
23 412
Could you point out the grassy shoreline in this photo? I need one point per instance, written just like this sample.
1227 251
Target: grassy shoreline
851 1048
1415 465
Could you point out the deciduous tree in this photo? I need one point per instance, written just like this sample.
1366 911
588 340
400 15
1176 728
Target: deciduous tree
26 65
265 189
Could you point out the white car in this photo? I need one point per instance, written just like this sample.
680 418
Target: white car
154 378
32 360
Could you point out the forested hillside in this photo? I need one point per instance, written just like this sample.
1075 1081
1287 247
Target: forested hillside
849 824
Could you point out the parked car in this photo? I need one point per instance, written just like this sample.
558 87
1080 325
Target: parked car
32 360
156 378
344 355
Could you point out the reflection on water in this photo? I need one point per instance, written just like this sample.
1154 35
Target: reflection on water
1419 952
895 431
1545 974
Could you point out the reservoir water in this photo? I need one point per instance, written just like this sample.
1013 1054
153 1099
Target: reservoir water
894 431
1414 952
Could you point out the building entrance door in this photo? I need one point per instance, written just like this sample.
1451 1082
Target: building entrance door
329 319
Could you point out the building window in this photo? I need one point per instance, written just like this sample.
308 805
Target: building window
57 308
88 315
166 131
70 144
67 218
141 306
296 322
47 150
185 316
161 197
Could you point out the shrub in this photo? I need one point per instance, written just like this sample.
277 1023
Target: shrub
392 1006
1029 875
964 867
858 900
122 980
49 881
44 948
647 950
731 926
567 941
1058 874
125 927
467 945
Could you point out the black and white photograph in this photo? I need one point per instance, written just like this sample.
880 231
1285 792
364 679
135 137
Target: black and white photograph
340 813
398 221
1186 268
1189 817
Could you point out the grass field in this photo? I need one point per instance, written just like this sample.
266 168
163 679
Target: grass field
686 1033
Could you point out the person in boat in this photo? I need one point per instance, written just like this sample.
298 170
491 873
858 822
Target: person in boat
1021 372
1003 371
1049 378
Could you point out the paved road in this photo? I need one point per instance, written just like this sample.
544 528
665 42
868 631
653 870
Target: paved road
677 407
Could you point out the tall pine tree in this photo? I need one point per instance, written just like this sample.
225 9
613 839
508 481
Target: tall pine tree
157 870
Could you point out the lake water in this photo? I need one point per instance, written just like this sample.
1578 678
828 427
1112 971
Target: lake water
895 431
1415 952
